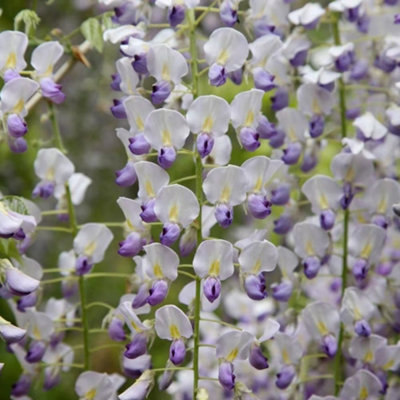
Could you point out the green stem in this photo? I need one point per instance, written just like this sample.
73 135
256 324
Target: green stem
187 274
216 321
184 179
170 369
106 346
108 275
199 195
53 229
53 212
56 280
56 128
99 304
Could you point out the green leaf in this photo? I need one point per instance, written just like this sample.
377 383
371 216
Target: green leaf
106 20
15 203
29 18
91 30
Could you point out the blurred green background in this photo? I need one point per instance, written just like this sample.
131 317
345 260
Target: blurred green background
87 129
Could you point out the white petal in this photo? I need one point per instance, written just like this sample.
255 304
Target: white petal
171 322
221 151
13 45
307 14
227 47
214 257
234 344
116 35
310 240
226 185
78 184
132 210
210 114
166 128
160 261
271 327
131 318
129 77
137 109
177 204
263 48
45 56
353 168
370 127
246 108
258 257
294 123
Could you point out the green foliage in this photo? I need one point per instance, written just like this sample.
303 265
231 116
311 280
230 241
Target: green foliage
15 203
92 31
29 19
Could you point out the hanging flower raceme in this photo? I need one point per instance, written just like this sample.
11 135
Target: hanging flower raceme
324 194
13 45
151 179
160 267
90 244
254 259
208 117
172 324
14 96
167 66
311 244
54 169
43 59
225 187
226 51
176 207
166 131
213 262
176 9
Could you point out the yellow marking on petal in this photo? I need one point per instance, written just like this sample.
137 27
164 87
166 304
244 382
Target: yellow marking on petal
388 365
368 356
18 107
382 207
225 194
130 225
166 137
36 332
157 271
202 394
285 357
50 174
90 248
11 61
257 266
149 188
3 209
350 175
249 118
207 124
323 201
165 72
215 268
174 213
315 106
174 331
223 57
364 393
49 70
258 185
292 134
139 123
90 395
135 326
232 355
357 313
366 251
309 248
322 329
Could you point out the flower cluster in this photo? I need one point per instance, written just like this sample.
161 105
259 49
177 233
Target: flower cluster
262 223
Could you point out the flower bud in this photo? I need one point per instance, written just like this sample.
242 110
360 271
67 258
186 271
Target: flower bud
292 153
224 214
281 195
36 352
226 376
166 156
360 269
285 376
176 14
16 125
263 80
22 386
52 90
259 206
116 330
217 75
362 328
317 124
280 99
160 92
83 265
131 245
177 352
212 288
137 347
282 291
126 176
329 345
311 267
255 287
257 358
157 292
148 214
205 144
249 139
138 145
327 219
169 234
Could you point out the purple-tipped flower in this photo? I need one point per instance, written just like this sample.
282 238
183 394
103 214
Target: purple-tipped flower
236 76
52 90
380 220
22 386
265 129
309 162
138 145
327 219
141 297
259 206
177 352
160 92
116 330
176 15
249 139
157 293
317 124
139 63
285 376
229 16
10 74
397 19
170 233
281 195
263 80
329 345
212 288
17 145
348 195
360 269
131 245
52 378
27 301
292 153
36 352
148 214
166 156
226 376
344 61
359 70
280 99
118 109
137 347
278 139
255 287
188 242
224 215
282 291
362 328
115 82
43 189
283 224
205 144
16 125
126 176
257 358
83 265
299 59
217 75
311 266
